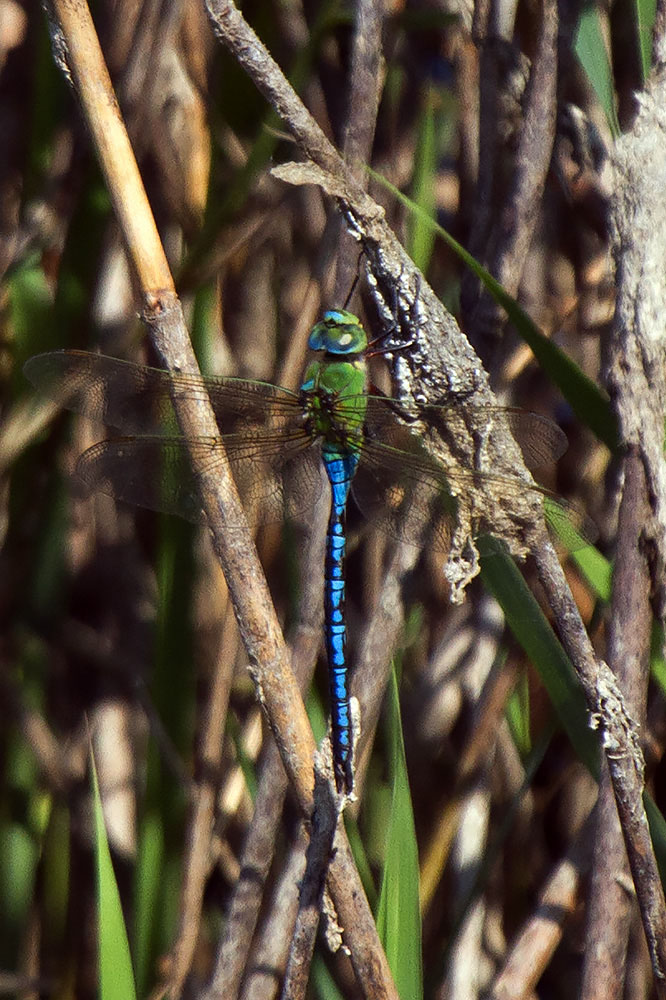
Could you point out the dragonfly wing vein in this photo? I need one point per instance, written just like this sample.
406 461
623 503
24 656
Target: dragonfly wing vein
157 473
137 399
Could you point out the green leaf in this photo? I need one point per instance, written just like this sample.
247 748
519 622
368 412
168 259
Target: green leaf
421 235
657 825
597 570
657 661
322 982
399 915
518 715
148 896
645 15
115 964
590 47
533 632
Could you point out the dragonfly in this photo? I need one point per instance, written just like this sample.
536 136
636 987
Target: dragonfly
276 441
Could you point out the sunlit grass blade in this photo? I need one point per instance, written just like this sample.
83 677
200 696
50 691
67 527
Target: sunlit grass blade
587 401
534 633
590 47
422 237
398 915
645 15
596 569
115 965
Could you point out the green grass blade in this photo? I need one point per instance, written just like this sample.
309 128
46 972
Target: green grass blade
115 964
518 715
587 401
148 888
645 15
361 858
398 915
657 825
56 877
596 569
657 660
422 236
322 983
590 47
533 632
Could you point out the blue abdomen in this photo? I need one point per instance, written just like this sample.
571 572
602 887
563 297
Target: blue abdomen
340 468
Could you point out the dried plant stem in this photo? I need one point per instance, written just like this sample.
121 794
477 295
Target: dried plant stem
504 240
365 80
81 58
375 655
198 852
533 947
620 742
243 912
322 833
611 899
637 380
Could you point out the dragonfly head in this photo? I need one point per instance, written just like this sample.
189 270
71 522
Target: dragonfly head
339 332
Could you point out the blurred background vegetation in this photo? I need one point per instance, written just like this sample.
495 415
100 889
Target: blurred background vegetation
114 621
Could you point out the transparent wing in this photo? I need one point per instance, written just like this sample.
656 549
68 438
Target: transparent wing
138 399
405 492
275 463
277 478
540 440
404 502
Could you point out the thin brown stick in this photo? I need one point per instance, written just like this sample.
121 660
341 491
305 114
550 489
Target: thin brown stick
323 826
506 247
363 104
533 948
537 135
611 899
197 861
486 154
375 654
610 903
621 745
235 33
270 951
241 917
243 911
637 380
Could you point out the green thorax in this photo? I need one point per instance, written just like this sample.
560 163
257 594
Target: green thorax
335 389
